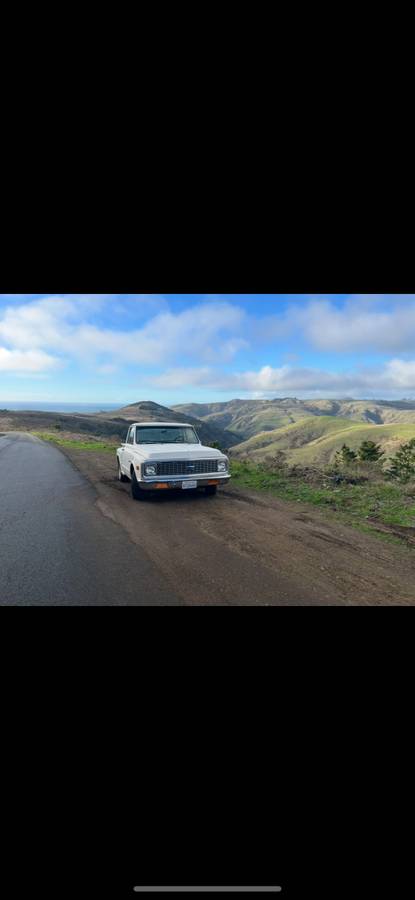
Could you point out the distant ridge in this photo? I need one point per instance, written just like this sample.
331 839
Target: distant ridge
247 427
246 418
148 411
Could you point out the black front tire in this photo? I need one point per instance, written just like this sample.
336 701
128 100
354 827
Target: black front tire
137 493
121 477
211 490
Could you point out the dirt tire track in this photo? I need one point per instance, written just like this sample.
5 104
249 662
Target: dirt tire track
248 549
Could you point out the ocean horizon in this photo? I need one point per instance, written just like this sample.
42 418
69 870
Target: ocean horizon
39 406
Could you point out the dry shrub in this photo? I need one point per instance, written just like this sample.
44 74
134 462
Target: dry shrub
277 462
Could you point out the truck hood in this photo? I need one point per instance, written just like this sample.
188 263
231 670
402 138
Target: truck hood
177 452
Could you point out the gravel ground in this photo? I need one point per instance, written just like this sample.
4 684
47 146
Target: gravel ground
246 548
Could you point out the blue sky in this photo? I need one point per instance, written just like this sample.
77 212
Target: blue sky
173 348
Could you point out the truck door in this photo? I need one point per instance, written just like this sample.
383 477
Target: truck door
123 455
129 450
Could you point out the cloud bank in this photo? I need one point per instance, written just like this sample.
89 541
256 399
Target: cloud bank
396 376
201 345
60 326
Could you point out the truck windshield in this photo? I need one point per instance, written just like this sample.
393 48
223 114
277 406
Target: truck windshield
166 436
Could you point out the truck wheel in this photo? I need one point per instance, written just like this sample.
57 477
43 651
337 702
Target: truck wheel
136 491
121 477
211 490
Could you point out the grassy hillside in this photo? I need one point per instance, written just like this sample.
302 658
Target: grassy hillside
248 427
142 411
375 412
61 422
110 424
292 437
322 451
315 440
247 418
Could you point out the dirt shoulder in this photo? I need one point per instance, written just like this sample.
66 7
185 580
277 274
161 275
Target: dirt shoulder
247 548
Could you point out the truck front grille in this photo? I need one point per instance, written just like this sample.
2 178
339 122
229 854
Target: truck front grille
185 467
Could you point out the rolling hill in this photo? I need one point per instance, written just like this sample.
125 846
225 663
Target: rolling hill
308 431
112 425
147 411
37 420
246 418
315 440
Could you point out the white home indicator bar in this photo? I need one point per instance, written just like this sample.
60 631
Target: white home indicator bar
208 890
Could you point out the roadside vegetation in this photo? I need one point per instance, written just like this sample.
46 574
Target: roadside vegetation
359 486
74 443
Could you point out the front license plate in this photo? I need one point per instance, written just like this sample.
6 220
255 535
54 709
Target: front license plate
189 485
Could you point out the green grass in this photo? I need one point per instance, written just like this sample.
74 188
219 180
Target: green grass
315 440
246 418
322 451
391 504
97 446
297 434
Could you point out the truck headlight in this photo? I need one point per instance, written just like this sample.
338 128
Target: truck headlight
222 465
150 470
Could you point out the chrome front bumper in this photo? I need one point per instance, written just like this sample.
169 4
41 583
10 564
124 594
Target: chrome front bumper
176 483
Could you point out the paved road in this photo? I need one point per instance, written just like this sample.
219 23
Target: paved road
56 547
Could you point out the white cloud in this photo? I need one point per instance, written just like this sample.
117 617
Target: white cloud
381 323
177 378
38 334
399 374
378 323
31 361
62 325
395 376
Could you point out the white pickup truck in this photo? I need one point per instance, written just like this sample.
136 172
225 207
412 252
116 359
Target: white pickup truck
169 456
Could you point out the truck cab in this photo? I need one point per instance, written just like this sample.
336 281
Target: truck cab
163 456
